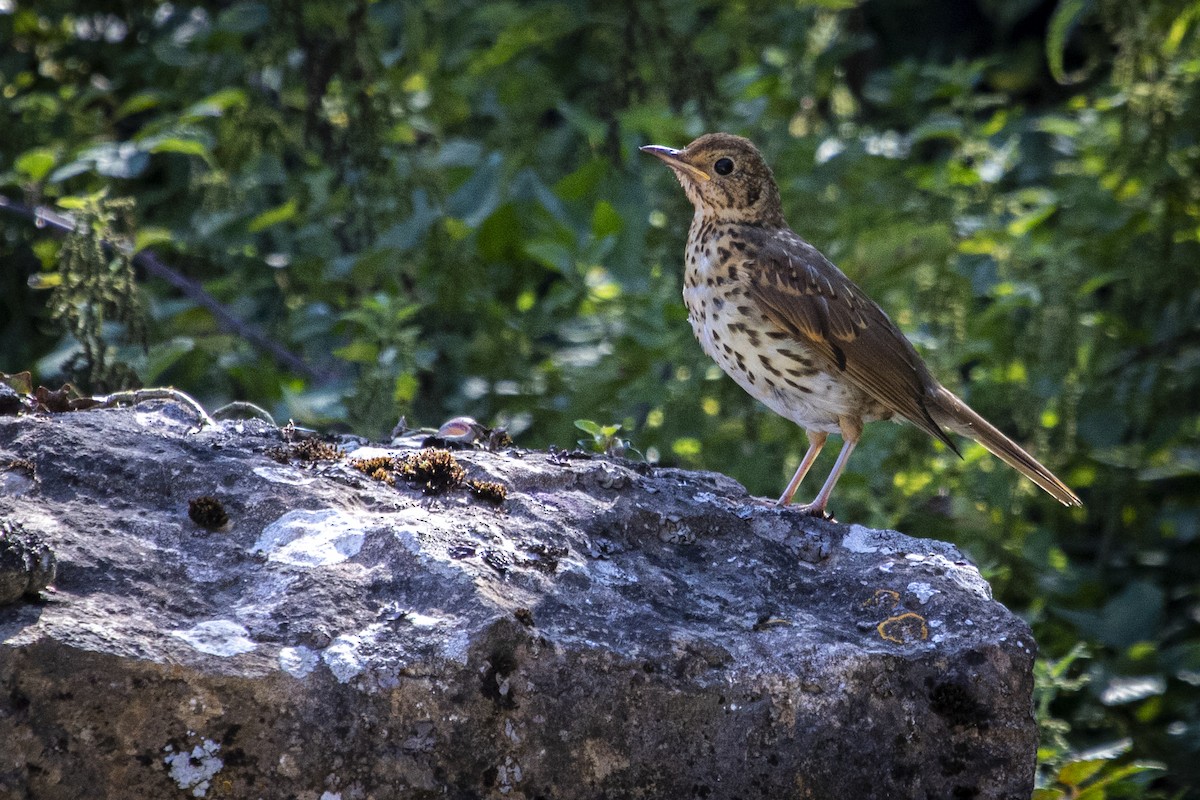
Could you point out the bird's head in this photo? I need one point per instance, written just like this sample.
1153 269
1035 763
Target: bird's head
725 176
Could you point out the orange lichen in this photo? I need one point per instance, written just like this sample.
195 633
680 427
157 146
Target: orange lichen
904 628
381 468
312 450
436 471
883 597
308 451
491 491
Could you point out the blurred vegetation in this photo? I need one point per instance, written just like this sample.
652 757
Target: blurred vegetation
441 208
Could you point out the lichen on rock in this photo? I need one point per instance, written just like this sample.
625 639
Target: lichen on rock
610 630
27 562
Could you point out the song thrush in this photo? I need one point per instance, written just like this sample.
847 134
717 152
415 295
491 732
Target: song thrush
795 332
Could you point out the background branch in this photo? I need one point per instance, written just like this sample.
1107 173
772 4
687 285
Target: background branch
147 260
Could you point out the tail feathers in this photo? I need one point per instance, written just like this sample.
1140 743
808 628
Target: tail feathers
956 415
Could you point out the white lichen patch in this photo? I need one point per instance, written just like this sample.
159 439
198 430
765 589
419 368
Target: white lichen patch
289 475
217 637
860 540
508 775
922 591
607 572
364 453
349 654
194 770
965 576
312 538
298 661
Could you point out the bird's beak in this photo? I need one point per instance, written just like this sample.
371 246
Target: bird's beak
674 159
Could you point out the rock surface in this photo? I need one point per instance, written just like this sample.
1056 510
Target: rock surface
27 562
609 630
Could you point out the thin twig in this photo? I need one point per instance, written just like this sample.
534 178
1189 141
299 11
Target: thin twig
135 396
240 409
146 259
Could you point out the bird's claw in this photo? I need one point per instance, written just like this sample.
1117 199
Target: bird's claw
811 510
807 509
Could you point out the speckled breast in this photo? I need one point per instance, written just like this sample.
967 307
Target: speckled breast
771 364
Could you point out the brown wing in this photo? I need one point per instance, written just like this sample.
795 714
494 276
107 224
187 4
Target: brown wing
806 295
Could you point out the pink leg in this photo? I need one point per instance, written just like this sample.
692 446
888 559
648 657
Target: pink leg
816 440
851 432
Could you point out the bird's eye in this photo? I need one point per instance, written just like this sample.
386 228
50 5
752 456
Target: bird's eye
724 166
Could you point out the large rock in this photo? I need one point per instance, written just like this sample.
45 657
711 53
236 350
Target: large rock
608 631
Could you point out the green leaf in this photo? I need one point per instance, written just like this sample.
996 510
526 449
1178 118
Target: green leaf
479 195
216 104
531 30
359 351
138 103
552 255
587 426
1076 772
1133 615
1120 773
1066 16
149 236
1179 30
274 216
1048 794
1026 222
582 182
77 202
605 220
35 164
174 144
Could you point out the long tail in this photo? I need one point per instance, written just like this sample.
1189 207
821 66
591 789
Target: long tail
956 415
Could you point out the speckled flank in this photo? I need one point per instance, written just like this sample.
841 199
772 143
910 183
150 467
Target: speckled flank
780 375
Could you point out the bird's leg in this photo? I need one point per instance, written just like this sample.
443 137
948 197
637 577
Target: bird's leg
816 440
851 431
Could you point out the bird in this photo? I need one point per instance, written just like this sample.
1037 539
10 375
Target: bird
798 335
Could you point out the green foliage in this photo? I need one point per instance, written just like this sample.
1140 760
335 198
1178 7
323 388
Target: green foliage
1053 678
604 438
441 207
94 288
1098 779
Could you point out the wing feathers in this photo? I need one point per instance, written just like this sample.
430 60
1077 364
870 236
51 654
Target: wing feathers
803 293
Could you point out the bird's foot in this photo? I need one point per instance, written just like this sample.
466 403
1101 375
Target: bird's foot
807 509
810 510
